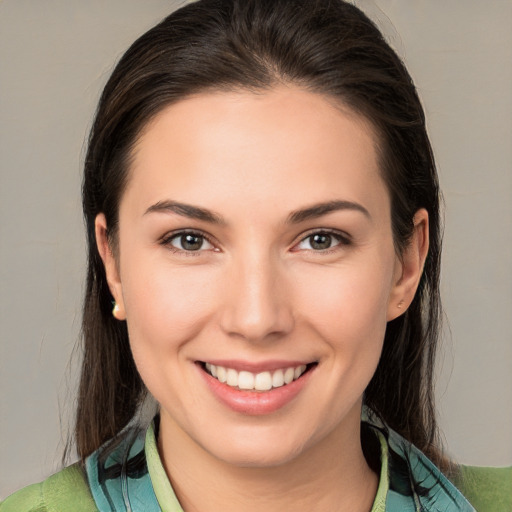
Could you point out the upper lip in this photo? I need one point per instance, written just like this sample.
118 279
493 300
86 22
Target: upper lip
257 367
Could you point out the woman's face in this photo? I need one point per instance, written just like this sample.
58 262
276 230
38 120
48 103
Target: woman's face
255 243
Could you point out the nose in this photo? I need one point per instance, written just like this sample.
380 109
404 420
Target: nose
258 305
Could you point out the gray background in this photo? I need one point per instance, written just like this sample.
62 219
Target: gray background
55 55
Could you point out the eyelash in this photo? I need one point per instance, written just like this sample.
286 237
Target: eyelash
342 238
166 241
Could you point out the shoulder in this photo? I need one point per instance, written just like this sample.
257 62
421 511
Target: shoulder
28 499
487 489
65 491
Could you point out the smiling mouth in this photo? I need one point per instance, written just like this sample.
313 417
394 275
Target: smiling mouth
262 381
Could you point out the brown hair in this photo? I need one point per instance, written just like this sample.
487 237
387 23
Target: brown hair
325 46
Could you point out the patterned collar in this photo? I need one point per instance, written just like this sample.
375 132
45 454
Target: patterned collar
126 475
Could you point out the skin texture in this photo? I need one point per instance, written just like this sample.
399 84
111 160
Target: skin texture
259 290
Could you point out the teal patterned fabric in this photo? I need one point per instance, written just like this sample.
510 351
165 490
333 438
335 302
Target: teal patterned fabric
415 484
120 481
118 475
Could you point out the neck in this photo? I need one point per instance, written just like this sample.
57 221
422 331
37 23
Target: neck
331 475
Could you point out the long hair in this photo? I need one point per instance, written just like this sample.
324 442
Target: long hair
324 46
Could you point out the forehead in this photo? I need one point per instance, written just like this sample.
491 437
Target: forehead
284 143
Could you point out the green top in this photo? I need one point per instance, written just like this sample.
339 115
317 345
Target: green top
169 503
488 489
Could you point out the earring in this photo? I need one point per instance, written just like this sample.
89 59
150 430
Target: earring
400 304
115 310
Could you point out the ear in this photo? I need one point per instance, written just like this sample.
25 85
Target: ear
111 266
409 267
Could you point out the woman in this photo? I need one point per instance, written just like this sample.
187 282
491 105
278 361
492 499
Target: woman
263 225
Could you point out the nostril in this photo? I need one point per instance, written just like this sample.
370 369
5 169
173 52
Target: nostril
255 311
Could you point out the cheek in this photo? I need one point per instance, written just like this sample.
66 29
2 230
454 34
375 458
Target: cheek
347 308
166 310
166 307
352 297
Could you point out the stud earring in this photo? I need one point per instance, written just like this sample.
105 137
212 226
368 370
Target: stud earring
400 304
115 310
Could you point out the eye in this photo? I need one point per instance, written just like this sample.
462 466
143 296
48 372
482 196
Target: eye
322 241
188 241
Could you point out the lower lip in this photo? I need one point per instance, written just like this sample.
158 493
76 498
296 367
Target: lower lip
255 403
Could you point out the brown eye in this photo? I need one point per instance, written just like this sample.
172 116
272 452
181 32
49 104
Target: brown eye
322 241
189 242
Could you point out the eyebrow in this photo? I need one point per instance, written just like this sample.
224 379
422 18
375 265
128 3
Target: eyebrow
187 210
317 210
295 217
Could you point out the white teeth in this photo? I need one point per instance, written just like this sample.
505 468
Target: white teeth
288 375
299 371
263 381
278 379
221 373
245 380
232 379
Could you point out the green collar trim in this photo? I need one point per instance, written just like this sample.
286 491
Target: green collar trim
127 475
161 484
169 502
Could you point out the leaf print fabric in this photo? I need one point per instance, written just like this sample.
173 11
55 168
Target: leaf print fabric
120 481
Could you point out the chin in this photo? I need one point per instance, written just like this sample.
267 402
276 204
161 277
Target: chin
258 456
263 448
